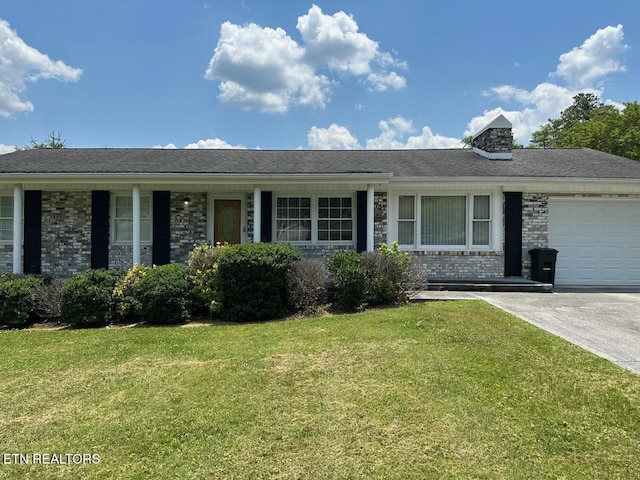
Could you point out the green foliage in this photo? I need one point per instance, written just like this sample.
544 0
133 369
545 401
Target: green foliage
203 273
349 277
385 269
155 295
307 286
87 299
54 140
253 280
588 123
16 300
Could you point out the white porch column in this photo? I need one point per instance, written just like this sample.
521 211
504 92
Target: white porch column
370 218
257 214
137 245
18 212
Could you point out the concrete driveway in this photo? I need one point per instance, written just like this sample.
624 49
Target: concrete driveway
606 323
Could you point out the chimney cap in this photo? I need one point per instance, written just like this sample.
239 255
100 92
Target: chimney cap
499 122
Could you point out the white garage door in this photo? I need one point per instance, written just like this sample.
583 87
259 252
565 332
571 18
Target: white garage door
598 241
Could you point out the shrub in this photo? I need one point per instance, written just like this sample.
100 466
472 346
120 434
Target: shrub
48 299
203 273
307 285
391 275
349 279
16 300
87 299
156 295
253 280
385 268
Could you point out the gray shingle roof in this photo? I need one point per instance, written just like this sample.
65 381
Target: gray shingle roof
554 163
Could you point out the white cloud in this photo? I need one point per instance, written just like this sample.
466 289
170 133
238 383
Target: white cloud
335 137
20 64
213 143
264 69
394 136
210 143
597 57
6 148
583 69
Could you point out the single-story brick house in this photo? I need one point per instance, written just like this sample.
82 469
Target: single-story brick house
463 212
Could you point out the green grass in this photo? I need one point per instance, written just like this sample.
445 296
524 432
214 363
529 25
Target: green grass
440 390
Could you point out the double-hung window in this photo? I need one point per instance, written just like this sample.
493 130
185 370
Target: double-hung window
335 219
123 219
315 219
6 219
445 222
293 219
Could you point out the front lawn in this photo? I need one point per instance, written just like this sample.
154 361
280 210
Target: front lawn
439 390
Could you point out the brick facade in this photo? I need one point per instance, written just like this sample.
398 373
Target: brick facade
535 226
494 140
66 233
188 224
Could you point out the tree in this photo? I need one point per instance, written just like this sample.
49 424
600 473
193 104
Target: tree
53 141
589 123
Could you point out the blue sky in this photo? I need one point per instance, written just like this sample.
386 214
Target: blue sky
290 74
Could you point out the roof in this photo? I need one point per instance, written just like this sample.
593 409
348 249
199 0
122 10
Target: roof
541 163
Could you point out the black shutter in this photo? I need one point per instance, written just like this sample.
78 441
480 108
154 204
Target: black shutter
513 234
266 225
361 220
161 228
100 228
32 231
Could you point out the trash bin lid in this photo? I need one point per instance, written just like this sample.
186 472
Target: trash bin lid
543 250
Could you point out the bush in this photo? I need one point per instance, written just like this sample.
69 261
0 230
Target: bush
87 299
391 275
48 299
158 295
386 269
203 273
16 300
349 279
253 280
307 286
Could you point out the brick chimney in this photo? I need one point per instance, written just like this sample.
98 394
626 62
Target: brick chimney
494 141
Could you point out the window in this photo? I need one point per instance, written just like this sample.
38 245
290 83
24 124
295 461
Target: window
445 221
335 219
6 219
315 219
123 219
407 220
293 219
481 220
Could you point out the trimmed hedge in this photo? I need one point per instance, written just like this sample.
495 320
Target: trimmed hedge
155 295
253 280
16 300
87 299
349 278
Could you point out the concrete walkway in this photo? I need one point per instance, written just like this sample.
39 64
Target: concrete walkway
605 323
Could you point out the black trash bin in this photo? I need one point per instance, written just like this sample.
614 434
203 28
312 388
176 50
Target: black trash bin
543 264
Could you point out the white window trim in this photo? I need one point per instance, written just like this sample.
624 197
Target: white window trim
10 241
314 217
495 229
112 215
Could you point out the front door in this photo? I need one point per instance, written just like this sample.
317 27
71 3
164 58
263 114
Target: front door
227 219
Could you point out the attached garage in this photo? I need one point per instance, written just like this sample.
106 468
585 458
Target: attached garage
598 240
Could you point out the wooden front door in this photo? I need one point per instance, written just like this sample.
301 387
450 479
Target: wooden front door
227 219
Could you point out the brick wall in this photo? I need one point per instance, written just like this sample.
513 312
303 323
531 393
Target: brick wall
535 226
6 258
188 224
461 264
494 140
66 233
